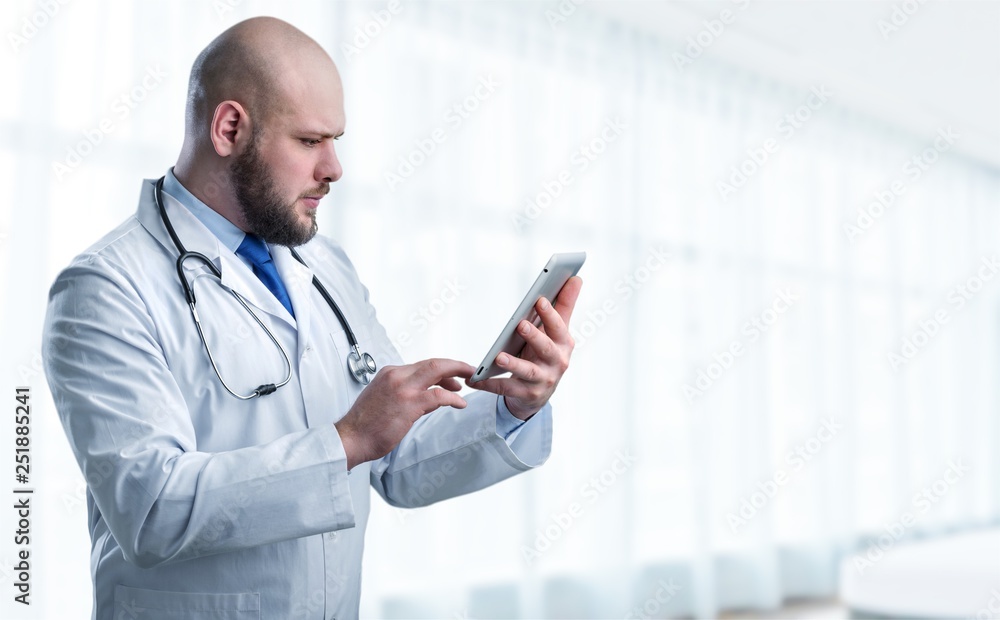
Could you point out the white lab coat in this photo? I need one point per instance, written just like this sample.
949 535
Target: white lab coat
203 504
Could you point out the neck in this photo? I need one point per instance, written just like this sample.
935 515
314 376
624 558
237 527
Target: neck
209 183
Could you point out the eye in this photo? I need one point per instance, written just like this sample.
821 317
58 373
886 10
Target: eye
309 141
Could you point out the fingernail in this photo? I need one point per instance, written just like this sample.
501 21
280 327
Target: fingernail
502 359
545 304
524 328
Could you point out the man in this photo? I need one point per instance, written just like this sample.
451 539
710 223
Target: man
204 502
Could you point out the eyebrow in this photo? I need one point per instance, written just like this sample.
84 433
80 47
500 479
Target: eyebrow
322 134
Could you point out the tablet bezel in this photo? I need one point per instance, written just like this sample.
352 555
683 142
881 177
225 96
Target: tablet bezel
560 268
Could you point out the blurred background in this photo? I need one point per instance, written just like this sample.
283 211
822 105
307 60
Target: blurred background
783 400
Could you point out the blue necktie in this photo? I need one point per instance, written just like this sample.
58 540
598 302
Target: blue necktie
254 250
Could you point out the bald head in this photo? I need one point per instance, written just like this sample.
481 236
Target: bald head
265 104
261 63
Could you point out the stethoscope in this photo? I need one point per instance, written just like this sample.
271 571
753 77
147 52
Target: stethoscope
361 365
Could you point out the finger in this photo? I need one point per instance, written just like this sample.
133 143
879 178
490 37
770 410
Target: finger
430 372
450 384
503 386
539 342
522 369
566 300
552 321
435 398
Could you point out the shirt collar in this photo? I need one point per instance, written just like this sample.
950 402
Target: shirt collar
228 233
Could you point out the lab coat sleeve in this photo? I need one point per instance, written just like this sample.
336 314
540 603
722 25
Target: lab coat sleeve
451 452
132 436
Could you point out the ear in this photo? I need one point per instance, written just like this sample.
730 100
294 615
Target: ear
230 126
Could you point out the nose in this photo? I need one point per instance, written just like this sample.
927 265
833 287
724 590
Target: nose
328 168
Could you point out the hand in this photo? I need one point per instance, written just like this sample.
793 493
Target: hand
396 398
537 371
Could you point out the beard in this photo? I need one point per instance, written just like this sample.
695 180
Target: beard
264 211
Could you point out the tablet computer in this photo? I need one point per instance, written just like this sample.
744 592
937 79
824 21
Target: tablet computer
559 269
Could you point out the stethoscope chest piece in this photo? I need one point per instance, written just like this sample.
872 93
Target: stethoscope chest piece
362 365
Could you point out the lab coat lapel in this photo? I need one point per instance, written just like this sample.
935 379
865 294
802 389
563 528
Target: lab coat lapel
182 220
298 282
236 275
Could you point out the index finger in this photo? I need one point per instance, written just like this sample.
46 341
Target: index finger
432 371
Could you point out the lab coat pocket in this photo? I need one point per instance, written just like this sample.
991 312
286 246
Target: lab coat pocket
159 605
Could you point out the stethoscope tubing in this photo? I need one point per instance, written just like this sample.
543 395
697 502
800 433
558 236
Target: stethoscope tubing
361 365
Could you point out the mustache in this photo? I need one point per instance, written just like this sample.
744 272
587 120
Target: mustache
321 191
